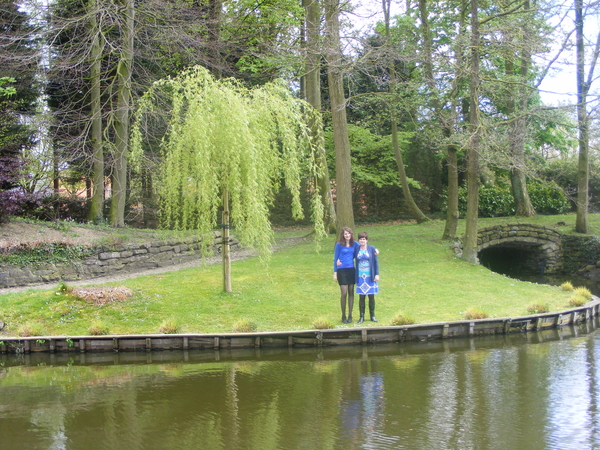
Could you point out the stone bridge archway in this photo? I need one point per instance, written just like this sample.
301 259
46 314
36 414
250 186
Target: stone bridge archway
536 247
533 247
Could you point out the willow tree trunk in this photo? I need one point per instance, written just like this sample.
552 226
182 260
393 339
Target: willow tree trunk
96 207
583 171
470 238
312 89
343 164
225 243
123 76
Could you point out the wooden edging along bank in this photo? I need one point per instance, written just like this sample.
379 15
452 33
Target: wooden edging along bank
304 338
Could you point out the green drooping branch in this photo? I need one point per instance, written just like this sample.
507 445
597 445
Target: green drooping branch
222 136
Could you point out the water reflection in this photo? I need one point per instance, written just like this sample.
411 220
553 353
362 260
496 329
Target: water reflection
531 391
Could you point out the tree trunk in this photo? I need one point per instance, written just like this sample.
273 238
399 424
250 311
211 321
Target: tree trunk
452 213
581 224
225 243
413 209
343 164
470 239
312 91
96 207
117 207
523 206
518 97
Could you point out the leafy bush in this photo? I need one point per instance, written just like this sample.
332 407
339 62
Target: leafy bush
548 198
494 201
498 201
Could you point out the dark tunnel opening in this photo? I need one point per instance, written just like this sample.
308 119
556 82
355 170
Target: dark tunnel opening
512 260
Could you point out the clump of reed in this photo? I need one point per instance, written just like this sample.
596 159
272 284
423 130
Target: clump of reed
322 323
169 326
475 313
401 319
538 308
244 326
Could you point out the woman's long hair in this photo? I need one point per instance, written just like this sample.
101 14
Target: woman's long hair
343 240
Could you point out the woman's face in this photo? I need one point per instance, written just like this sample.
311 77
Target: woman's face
362 241
347 235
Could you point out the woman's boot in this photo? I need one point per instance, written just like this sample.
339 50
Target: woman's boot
361 309
372 308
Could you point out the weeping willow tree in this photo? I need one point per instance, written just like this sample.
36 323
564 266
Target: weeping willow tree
229 148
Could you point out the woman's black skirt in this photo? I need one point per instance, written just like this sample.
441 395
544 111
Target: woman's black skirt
345 277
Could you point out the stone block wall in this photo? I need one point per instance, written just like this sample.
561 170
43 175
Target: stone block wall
127 258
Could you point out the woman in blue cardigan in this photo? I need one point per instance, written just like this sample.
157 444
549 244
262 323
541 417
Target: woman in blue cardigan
367 275
343 270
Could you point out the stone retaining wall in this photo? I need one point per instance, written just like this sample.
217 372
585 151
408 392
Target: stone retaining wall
111 261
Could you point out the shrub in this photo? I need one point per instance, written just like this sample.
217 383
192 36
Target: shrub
567 286
244 326
402 319
169 326
323 323
494 201
538 308
475 313
548 198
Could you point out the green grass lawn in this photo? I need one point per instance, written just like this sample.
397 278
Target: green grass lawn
420 277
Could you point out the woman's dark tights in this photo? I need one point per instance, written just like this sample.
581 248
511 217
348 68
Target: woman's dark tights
347 291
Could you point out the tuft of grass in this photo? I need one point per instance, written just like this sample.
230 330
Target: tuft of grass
244 326
30 329
98 328
323 323
402 319
583 292
567 286
169 326
475 313
577 300
538 308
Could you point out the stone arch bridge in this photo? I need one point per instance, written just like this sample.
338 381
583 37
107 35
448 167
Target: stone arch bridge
522 246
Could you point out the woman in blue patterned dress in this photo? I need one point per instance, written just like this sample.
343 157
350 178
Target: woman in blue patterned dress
367 275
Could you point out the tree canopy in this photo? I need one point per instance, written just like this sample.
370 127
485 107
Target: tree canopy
222 136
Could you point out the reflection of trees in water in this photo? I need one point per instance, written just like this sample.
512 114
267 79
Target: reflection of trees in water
482 393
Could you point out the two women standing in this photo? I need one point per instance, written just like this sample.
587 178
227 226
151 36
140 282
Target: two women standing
365 274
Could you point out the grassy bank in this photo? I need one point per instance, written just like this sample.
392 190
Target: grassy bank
420 277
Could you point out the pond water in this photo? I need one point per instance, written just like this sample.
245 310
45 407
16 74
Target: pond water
527 391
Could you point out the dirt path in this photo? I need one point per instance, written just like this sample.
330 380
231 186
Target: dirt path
235 256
